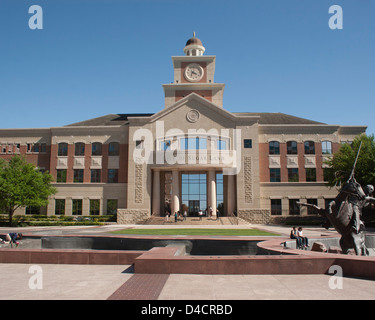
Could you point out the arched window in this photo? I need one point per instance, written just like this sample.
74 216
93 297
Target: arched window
96 149
309 147
291 147
114 149
62 149
79 149
326 147
274 147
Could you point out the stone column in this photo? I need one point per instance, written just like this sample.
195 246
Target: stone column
175 192
231 194
156 193
212 191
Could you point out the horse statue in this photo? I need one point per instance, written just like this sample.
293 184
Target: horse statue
344 213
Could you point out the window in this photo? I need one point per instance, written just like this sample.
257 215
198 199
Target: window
62 149
193 143
77 207
166 145
326 174
78 175
294 207
36 148
247 143
96 149
96 175
112 175
114 149
276 207
111 206
221 145
310 174
43 147
309 147
32 210
94 206
314 202
291 147
60 207
293 175
274 147
220 193
275 175
79 149
194 192
326 147
61 175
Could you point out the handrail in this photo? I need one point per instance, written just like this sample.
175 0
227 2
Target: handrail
232 218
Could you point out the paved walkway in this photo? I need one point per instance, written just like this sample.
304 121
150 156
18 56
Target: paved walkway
102 282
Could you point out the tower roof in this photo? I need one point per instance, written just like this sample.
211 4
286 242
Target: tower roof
194 47
195 41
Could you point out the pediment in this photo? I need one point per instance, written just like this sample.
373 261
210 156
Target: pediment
195 111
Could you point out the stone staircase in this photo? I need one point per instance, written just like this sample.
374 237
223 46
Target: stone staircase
192 221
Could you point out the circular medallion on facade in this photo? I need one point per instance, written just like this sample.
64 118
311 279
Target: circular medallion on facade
192 116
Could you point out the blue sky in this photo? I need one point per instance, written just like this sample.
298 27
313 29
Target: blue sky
95 57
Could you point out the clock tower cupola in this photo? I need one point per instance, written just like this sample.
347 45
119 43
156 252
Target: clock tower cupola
194 72
194 47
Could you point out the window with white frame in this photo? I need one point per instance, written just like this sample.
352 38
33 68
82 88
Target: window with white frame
326 147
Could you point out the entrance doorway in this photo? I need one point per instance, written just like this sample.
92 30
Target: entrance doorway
194 207
193 192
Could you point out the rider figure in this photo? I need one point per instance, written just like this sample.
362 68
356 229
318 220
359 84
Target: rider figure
359 201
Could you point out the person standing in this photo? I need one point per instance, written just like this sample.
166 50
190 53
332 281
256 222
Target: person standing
166 216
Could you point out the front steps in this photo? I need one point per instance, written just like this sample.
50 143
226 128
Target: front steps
192 221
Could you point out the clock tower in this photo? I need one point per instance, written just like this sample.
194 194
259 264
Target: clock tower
194 72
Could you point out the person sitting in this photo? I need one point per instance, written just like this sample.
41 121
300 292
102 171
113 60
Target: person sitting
12 237
293 235
305 240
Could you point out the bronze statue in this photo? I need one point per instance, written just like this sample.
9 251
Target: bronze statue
344 214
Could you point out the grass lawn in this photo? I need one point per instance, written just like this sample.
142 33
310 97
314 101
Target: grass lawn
198 231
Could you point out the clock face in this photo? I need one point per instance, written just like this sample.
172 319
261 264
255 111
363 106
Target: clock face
193 72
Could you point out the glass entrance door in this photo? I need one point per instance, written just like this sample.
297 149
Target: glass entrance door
193 207
194 192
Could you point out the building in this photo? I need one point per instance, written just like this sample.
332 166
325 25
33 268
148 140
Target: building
192 155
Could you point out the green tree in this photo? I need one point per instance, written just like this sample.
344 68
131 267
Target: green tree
341 164
22 184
